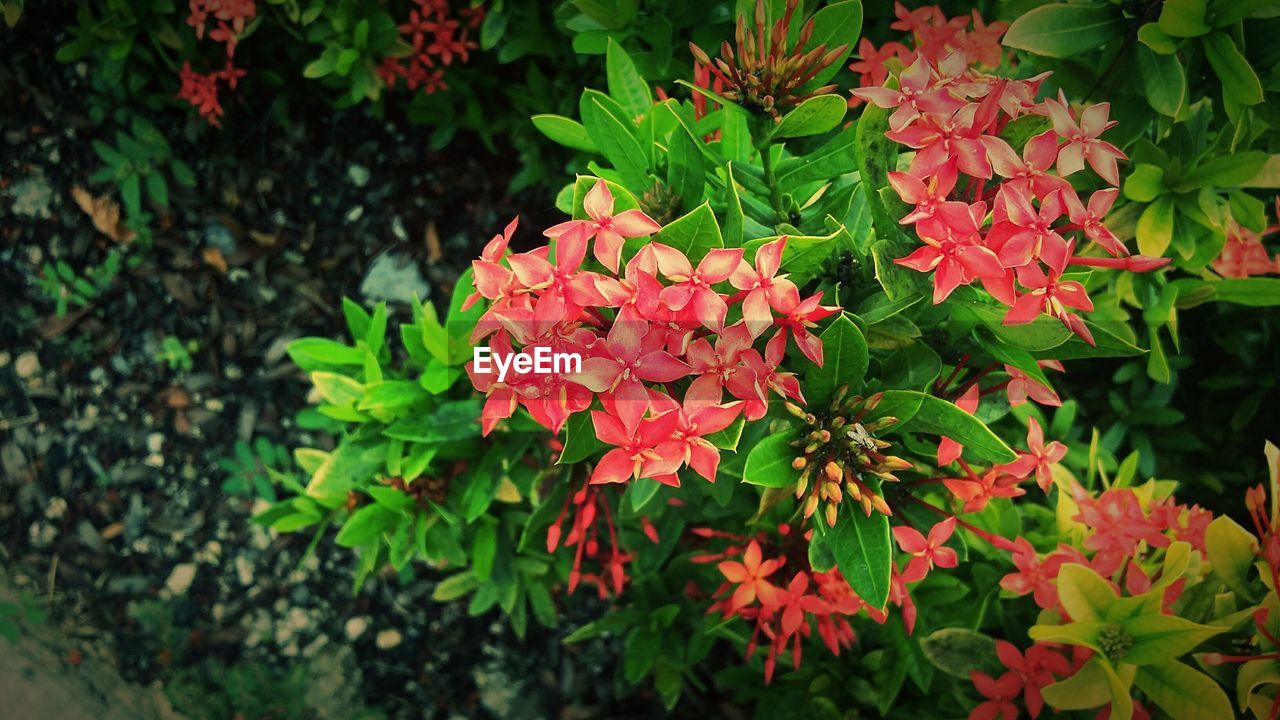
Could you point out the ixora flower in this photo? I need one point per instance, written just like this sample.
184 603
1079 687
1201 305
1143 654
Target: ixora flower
608 230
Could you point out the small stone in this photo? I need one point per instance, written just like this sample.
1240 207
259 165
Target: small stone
27 365
389 639
355 213
155 460
42 534
155 442
398 230
56 509
32 197
218 237
214 405
210 553
355 627
244 570
97 376
394 277
358 175
180 579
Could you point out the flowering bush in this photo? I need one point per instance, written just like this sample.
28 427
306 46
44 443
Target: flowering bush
813 403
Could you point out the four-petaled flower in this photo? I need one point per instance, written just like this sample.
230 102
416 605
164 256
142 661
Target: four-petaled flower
608 229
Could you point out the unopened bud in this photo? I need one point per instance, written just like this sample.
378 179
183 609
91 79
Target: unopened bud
877 501
831 515
833 471
799 462
810 505
699 54
794 409
866 505
840 393
1143 263
874 400
838 422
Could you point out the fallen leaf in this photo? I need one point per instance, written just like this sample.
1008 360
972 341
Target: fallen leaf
105 214
112 531
212 257
432 239
266 240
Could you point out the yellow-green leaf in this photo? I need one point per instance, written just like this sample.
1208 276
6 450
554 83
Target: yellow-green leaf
1183 692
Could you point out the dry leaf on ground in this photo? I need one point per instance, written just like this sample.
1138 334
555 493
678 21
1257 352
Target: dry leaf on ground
105 214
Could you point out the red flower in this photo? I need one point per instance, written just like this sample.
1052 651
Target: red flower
926 552
692 296
749 575
1036 669
1049 294
999 695
637 453
914 98
1022 386
623 359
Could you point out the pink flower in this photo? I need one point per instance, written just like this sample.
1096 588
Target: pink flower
953 251
609 230
1036 669
1022 386
918 95
1038 458
624 359
692 293
749 575
1049 294
1083 144
764 288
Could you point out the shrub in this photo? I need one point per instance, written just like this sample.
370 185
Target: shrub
817 401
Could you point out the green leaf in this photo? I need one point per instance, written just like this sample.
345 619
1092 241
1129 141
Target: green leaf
312 352
1145 183
391 395
1163 79
844 362
450 422
734 221
484 548
1225 171
1158 40
565 131
580 441
615 135
839 23
959 651
366 525
1254 291
1088 688
1240 83
1155 227
455 586
625 83
1061 29
686 175
1156 638
814 116
641 649
337 389
1183 692
1183 18
351 463
693 234
1084 594
861 547
939 417
769 463
1231 550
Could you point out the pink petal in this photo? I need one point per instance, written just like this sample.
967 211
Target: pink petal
717 265
599 201
634 223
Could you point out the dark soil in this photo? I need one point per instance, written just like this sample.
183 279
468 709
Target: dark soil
111 502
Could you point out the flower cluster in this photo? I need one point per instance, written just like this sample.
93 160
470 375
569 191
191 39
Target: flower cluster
439 34
934 36
1244 254
1025 675
1013 225
228 18
640 339
783 615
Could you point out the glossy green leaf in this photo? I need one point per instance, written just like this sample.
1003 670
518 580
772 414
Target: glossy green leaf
1163 79
769 463
959 651
1240 83
862 549
565 131
1183 18
1155 227
693 234
1065 29
839 23
814 116
625 83
939 417
1183 692
845 362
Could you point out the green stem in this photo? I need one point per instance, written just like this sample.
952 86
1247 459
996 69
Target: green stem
775 194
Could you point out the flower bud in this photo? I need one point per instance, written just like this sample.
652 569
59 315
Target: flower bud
799 462
831 515
833 471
